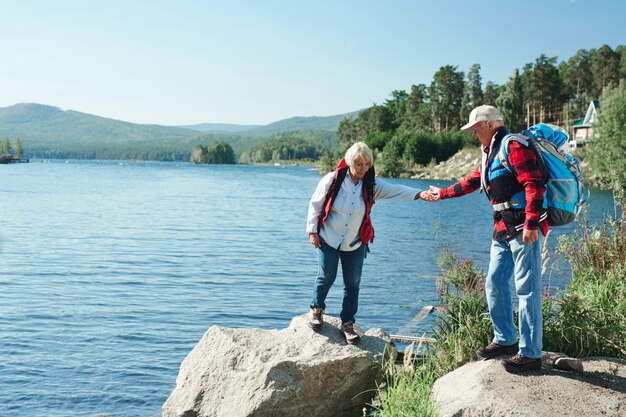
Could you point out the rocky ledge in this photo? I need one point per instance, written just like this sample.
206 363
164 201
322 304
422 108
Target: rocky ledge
590 387
274 373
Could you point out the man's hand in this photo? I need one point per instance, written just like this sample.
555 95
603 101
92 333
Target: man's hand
314 238
530 236
431 195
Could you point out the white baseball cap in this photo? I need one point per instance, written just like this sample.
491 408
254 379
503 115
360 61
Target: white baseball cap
482 114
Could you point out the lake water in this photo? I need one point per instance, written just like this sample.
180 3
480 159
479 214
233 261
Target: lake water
111 272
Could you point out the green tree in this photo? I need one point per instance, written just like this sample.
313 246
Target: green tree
605 65
391 162
543 90
608 147
215 153
473 95
511 102
380 119
420 148
418 115
547 88
373 120
378 141
446 96
282 147
397 107
327 162
621 50
5 146
492 91
346 133
578 81
18 147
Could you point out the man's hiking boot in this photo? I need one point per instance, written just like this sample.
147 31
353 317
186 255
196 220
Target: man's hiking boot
316 318
519 363
349 334
493 349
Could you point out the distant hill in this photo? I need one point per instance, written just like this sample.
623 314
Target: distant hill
50 132
300 123
220 127
38 124
327 123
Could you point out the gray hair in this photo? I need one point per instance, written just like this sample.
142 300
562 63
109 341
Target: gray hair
359 150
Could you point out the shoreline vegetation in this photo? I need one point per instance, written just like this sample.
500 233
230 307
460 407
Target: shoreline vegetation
588 317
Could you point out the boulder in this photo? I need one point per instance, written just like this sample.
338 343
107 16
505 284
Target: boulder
273 373
485 389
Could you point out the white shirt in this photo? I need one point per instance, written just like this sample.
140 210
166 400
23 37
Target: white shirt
341 227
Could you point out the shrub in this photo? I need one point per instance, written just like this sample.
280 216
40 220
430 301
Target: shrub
590 317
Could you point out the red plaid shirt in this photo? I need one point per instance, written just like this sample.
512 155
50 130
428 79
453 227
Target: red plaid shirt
524 162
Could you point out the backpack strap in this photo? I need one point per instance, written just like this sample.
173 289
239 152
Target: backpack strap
331 194
369 180
503 153
533 145
504 160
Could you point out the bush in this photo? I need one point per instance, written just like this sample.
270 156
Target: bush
463 324
391 162
608 147
215 153
589 319
420 148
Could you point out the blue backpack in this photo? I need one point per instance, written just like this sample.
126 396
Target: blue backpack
566 190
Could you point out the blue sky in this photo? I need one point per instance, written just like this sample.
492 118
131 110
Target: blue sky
176 62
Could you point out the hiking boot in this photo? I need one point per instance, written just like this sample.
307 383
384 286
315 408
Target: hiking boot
349 334
316 318
493 349
520 363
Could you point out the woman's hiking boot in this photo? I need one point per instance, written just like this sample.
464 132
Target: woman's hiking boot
316 318
493 349
349 334
520 363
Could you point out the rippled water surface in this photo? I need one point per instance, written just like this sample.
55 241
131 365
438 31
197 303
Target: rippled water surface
111 272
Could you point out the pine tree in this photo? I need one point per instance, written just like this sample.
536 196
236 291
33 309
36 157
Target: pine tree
608 146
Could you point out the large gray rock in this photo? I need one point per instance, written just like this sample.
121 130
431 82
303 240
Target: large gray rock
485 389
274 373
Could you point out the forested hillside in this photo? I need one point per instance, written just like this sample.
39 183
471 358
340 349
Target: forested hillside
404 129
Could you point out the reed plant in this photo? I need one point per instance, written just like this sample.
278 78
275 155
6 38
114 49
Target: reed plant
406 390
463 323
589 318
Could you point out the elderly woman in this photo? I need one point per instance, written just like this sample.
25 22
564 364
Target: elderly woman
339 227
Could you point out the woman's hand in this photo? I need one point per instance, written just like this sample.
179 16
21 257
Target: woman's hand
433 194
314 238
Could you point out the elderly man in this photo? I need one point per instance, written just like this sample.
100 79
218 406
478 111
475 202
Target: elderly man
516 245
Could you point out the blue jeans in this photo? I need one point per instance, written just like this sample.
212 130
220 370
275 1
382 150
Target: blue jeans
522 262
351 266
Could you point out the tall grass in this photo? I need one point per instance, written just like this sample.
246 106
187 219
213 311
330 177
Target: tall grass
463 323
406 392
587 319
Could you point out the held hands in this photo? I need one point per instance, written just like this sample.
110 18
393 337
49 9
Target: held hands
314 238
431 195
